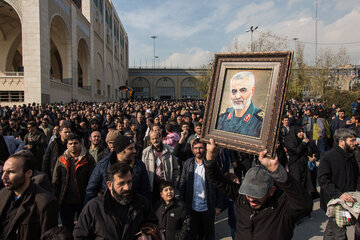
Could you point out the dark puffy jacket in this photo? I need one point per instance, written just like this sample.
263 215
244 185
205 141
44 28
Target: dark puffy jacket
83 169
276 220
99 220
51 156
338 173
174 218
97 180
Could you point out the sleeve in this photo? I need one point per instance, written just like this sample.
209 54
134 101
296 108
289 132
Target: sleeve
57 180
49 216
182 182
85 224
324 179
94 184
145 186
176 171
19 144
185 227
216 178
47 161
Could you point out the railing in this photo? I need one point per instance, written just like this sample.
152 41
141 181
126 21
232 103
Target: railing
67 81
11 74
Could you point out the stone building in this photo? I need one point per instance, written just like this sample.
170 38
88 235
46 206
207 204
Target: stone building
158 83
61 51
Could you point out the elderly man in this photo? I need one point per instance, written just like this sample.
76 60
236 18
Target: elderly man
26 210
160 163
244 117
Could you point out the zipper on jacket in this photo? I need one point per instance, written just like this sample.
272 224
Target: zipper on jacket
252 223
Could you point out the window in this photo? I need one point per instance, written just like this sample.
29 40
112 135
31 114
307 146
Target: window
11 96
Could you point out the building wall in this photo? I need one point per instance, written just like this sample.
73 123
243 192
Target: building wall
58 37
164 83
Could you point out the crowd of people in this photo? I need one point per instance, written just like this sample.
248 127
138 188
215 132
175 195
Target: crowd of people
138 170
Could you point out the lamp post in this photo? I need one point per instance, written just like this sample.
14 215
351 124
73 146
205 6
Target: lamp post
295 39
154 37
251 30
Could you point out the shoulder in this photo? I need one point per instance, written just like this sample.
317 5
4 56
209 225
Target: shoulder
226 113
147 149
259 114
42 196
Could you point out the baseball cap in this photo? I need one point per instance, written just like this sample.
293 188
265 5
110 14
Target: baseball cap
256 183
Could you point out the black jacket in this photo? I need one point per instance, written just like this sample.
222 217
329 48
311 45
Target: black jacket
174 218
276 220
338 173
53 152
98 220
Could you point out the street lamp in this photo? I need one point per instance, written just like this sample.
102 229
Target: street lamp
251 30
154 37
295 39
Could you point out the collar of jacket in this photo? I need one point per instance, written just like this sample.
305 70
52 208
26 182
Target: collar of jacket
81 160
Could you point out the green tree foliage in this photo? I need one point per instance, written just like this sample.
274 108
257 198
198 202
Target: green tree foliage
298 79
341 98
202 82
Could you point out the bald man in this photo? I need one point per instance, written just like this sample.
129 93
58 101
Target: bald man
243 117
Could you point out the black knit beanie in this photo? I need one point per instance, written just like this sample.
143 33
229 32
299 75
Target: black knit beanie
121 142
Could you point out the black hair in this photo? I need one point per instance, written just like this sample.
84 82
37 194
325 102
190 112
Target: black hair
28 159
119 168
73 136
164 184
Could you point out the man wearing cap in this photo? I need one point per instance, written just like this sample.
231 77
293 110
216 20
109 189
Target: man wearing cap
262 211
244 117
124 151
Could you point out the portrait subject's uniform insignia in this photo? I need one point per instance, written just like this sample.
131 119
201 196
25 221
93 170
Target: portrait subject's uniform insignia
247 117
229 116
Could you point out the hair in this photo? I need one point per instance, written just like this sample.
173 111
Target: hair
118 168
164 184
243 75
57 233
185 123
32 124
65 125
28 159
196 141
169 127
73 136
343 134
342 110
198 124
155 125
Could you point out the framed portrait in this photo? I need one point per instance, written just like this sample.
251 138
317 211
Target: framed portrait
245 100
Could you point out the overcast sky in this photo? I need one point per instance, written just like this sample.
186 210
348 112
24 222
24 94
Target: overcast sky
189 32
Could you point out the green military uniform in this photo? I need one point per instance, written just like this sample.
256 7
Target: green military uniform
249 124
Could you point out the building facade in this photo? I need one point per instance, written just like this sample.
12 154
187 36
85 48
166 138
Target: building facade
61 51
164 83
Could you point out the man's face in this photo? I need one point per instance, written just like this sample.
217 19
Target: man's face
120 188
95 138
94 125
286 122
74 146
120 126
128 154
13 174
64 133
31 129
45 123
308 112
341 115
157 129
241 92
179 120
199 150
155 139
185 127
257 203
167 193
349 144
197 130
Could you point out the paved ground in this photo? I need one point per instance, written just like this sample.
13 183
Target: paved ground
310 228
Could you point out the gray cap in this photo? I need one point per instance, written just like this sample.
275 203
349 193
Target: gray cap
256 183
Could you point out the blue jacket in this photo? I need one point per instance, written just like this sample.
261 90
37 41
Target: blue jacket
97 179
14 145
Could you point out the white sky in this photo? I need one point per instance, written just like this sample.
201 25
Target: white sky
189 32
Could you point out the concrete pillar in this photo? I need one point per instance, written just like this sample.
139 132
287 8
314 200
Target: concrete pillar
74 52
36 54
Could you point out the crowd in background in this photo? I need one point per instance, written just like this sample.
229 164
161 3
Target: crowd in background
76 146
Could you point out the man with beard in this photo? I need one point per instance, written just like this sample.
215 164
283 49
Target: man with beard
269 201
199 195
124 151
26 210
160 164
96 149
338 174
119 213
244 117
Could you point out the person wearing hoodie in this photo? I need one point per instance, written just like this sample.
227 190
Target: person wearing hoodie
71 175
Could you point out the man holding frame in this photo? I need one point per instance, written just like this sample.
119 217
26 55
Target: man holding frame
262 211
